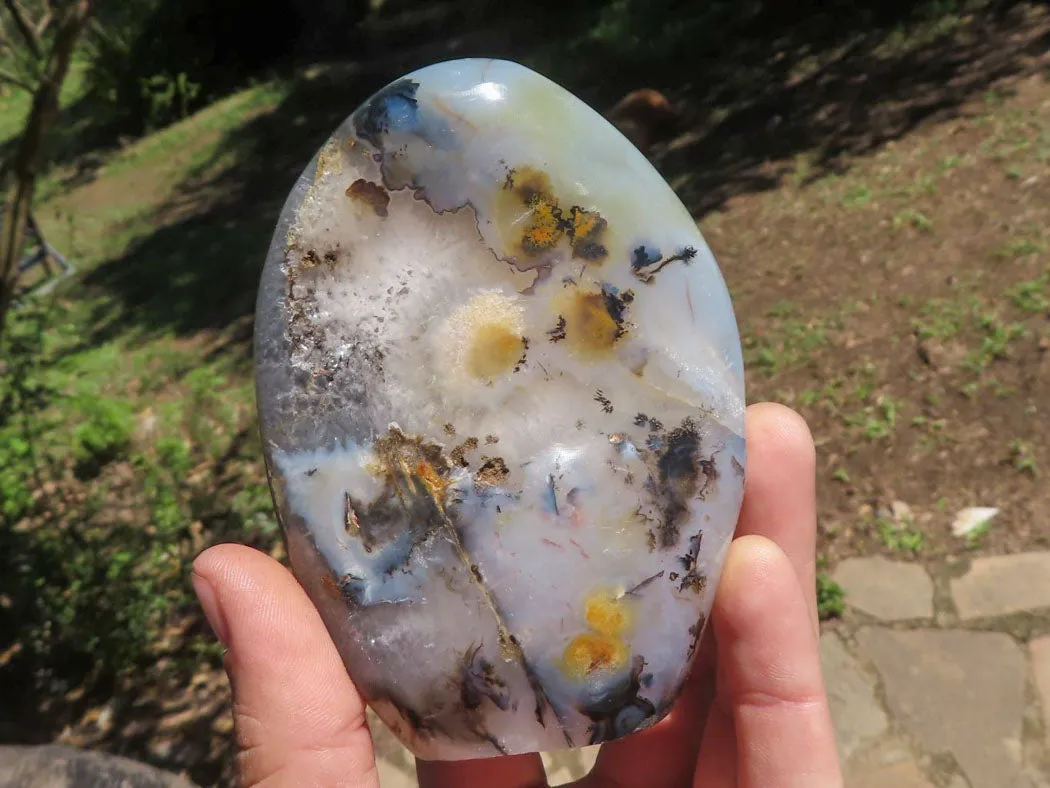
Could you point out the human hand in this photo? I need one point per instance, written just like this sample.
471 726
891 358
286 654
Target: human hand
753 713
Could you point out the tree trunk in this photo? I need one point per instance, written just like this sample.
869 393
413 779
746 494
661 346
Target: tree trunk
23 168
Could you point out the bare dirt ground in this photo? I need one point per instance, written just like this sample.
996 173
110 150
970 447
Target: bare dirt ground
903 307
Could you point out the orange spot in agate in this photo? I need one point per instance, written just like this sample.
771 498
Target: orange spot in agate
608 615
589 653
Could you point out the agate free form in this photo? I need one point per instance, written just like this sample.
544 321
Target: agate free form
501 395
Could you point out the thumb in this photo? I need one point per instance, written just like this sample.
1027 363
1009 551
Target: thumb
298 717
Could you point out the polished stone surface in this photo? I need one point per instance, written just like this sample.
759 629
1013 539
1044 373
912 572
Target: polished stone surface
501 395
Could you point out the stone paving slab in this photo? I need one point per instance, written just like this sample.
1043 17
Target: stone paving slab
887 590
1039 650
51 766
857 715
898 775
956 692
1003 584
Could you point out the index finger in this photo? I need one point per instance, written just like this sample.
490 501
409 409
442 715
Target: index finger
780 497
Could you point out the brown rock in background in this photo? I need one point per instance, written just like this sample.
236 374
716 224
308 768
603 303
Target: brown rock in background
645 117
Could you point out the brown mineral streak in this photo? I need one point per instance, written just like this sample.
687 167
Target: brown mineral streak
372 194
459 454
353 527
493 471
330 585
396 450
446 110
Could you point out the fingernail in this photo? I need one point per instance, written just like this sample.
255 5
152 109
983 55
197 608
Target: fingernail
212 611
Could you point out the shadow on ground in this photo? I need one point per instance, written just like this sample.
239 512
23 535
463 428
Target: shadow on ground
757 94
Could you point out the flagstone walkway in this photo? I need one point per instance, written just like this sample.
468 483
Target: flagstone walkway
938 677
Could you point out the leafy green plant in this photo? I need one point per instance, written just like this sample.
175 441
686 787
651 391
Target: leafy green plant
877 420
900 536
1021 247
788 343
168 97
103 435
254 506
942 318
912 218
1022 456
995 342
1033 295
857 196
208 412
831 597
975 536
16 495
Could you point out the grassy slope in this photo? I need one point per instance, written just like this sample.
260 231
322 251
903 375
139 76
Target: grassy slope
129 447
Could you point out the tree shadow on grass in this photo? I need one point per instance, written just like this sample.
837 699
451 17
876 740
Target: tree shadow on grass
754 95
201 273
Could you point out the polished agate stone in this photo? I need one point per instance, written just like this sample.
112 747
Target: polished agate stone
501 395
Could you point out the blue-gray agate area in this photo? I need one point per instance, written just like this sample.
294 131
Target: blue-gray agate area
501 396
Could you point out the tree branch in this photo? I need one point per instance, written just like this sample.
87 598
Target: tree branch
11 79
44 23
5 37
27 30
25 164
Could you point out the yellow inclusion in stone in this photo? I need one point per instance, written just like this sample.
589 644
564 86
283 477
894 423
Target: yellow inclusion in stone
593 652
495 351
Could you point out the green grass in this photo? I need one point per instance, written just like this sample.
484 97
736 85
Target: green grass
876 420
15 103
899 536
995 342
944 318
196 138
1021 247
1032 296
986 328
857 196
1022 456
79 410
831 597
788 341
910 217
